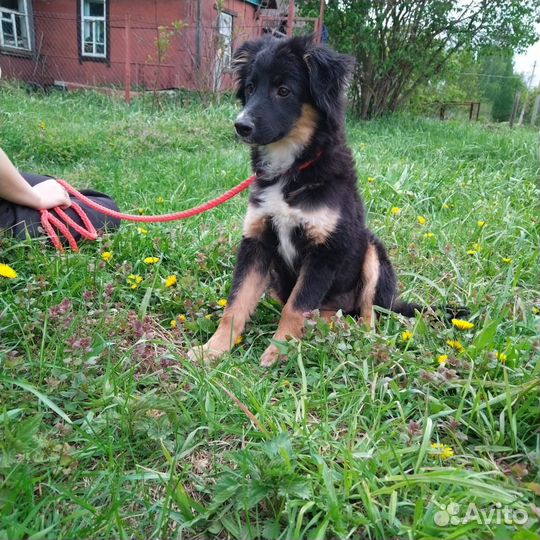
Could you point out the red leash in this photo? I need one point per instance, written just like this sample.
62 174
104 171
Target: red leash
49 220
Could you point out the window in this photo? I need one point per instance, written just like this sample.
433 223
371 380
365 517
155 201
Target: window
15 25
94 28
224 47
225 30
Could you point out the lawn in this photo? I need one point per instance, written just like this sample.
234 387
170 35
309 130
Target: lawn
108 431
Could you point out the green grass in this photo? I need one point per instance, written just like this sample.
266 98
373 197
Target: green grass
120 436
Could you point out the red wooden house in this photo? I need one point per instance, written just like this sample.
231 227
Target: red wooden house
144 44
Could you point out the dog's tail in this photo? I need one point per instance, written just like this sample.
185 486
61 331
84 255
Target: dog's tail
409 309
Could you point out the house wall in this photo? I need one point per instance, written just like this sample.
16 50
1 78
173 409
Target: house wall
189 63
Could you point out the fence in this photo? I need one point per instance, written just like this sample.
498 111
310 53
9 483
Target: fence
129 52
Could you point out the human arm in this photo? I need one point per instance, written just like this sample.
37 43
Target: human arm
14 188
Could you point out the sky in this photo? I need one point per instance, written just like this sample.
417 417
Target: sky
524 62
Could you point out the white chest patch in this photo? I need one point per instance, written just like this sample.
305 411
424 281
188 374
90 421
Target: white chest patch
285 218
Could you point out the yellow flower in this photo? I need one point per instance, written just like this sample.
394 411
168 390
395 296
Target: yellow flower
395 210
422 220
238 340
443 450
7 272
370 179
460 324
170 281
406 336
151 260
446 206
42 125
172 324
535 310
160 200
502 357
442 358
134 280
141 211
429 235
106 256
222 302
142 230
455 345
481 224
506 260
477 246
182 318
471 252
209 316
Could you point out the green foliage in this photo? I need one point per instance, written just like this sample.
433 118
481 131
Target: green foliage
108 431
401 45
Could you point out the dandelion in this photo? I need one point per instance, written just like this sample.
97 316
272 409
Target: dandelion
395 210
442 450
507 260
446 206
208 316
222 302
151 260
481 224
106 256
42 125
471 252
422 220
460 324
535 310
442 358
142 230
238 340
406 336
455 345
477 246
182 318
502 357
7 272
371 179
141 211
134 280
172 324
160 200
429 235
170 281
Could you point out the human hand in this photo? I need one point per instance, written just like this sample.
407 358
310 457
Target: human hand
50 194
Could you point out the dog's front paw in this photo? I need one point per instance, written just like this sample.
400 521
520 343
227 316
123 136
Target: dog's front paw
271 356
204 354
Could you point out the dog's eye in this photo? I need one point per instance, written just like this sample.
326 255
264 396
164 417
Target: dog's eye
283 91
249 89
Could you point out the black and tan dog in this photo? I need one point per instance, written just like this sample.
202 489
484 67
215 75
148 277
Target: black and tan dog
305 235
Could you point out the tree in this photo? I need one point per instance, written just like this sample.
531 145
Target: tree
400 44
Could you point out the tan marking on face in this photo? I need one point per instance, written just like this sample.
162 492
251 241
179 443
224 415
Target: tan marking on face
370 278
280 155
254 223
320 224
238 312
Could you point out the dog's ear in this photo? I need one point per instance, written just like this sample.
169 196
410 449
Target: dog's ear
329 75
241 63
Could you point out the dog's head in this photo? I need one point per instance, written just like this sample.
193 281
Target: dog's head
286 87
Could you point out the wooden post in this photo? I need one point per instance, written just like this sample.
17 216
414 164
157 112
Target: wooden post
290 19
127 67
320 22
477 110
534 113
514 109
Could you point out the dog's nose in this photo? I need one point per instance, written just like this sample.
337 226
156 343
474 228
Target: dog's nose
243 127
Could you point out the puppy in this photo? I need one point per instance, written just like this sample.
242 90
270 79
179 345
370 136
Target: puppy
305 236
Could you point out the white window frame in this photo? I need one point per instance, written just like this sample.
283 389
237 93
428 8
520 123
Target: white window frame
225 29
10 16
93 21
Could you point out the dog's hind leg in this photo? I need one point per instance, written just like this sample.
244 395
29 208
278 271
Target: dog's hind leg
371 273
